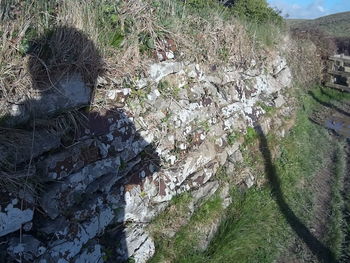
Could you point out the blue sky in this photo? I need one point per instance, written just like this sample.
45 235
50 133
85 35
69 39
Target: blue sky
310 8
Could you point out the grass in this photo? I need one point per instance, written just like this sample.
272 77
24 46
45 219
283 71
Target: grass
268 109
265 34
185 243
232 138
250 136
254 229
240 238
335 233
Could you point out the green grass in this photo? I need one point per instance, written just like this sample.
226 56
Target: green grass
255 230
251 136
331 95
184 245
335 233
268 109
232 138
265 34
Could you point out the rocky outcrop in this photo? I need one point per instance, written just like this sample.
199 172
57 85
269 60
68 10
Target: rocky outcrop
170 134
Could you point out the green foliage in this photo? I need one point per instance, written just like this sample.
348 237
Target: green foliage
203 8
166 118
257 11
267 34
224 54
231 138
266 108
207 209
117 38
146 43
205 125
181 199
251 136
262 22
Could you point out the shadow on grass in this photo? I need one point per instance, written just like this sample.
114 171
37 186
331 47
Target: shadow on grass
323 253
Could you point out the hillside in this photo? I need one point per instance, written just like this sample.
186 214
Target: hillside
337 25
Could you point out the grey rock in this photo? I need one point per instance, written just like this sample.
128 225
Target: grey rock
68 92
248 177
225 195
279 64
216 80
279 101
28 248
53 201
205 191
11 218
236 157
70 243
163 69
138 244
92 254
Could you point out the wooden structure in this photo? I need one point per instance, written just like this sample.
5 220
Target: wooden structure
340 72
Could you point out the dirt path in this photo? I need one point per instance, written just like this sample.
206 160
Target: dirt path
321 188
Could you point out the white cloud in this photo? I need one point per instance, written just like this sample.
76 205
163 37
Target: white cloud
313 10
321 9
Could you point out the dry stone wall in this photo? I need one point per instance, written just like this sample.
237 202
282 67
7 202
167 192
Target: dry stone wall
166 134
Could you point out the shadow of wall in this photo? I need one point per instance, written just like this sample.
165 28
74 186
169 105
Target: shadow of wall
72 163
322 252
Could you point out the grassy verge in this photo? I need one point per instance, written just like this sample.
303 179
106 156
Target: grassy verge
335 231
254 229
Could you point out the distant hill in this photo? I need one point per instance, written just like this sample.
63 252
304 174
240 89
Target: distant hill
336 25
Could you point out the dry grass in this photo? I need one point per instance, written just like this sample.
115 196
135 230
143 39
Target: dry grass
83 30
305 62
216 41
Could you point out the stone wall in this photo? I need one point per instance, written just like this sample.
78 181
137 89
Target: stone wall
164 134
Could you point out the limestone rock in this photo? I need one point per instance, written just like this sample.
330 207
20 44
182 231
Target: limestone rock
279 101
68 92
138 244
160 70
28 248
11 217
91 254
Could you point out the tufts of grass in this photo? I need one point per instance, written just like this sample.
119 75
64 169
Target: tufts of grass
232 138
184 245
266 34
268 109
250 136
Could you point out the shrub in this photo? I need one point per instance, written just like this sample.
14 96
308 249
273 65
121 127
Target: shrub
257 11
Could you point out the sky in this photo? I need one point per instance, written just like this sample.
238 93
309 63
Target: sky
310 9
